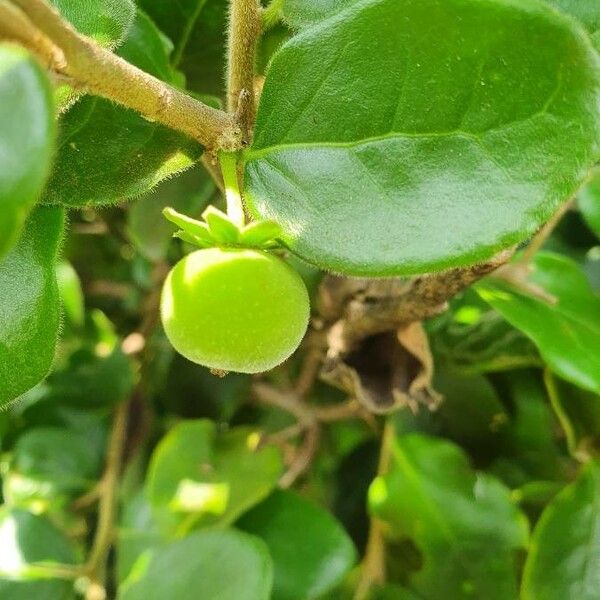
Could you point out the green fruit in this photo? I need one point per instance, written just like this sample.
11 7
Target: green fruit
234 309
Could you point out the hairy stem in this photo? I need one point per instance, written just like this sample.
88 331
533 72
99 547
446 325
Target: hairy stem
244 31
104 74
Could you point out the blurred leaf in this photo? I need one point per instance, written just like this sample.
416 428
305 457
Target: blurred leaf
474 338
463 523
529 448
471 412
202 477
311 551
28 541
588 200
27 134
565 547
29 304
151 233
71 294
567 332
91 380
137 533
49 463
578 412
227 565
198 29
105 21
107 153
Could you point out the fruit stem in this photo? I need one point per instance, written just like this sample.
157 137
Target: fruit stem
233 196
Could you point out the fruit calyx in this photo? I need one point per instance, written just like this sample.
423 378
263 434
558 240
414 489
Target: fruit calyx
218 230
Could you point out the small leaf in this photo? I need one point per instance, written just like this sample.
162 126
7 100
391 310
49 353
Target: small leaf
461 522
567 332
321 553
192 231
29 304
258 233
221 226
565 547
227 565
193 452
391 150
27 134
26 541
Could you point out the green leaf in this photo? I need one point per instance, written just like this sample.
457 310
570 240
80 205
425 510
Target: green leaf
403 149
54 461
28 541
529 450
91 381
198 27
188 193
463 523
302 13
227 565
588 201
197 476
29 304
567 332
321 552
106 21
565 547
71 294
27 134
471 413
107 153
137 533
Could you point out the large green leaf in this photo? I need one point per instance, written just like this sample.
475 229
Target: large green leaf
26 139
321 552
424 134
106 21
566 331
565 548
202 477
198 29
29 304
108 153
28 541
464 524
223 565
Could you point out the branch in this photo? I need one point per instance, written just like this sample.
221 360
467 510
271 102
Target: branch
103 538
104 74
373 565
244 31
